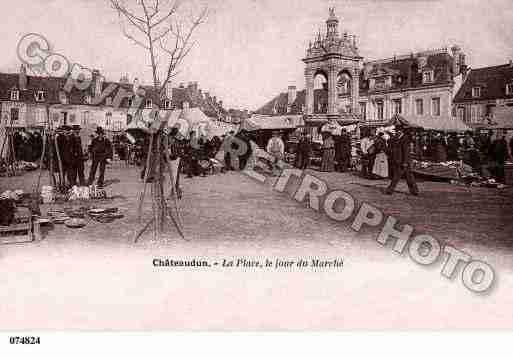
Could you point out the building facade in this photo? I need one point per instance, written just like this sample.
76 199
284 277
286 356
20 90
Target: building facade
34 102
484 91
341 85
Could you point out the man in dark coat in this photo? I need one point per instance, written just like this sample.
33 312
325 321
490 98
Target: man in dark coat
304 151
401 161
64 143
244 136
343 151
453 146
77 157
500 152
101 152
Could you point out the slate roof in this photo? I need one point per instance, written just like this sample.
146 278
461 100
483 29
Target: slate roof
492 81
405 75
53 86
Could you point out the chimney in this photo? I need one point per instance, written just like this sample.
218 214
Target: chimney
510 63
97 83
207 95
291 95
221 104
195 87
182 85
22 77
214 99
456 60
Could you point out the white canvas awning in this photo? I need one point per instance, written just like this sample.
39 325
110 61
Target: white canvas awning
437 123
260 122
502 119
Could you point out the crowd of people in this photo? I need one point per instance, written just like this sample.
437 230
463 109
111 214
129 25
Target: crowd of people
27 145
70 159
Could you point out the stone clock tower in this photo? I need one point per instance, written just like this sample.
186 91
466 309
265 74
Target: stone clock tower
336 57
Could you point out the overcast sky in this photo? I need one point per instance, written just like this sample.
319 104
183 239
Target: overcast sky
250 50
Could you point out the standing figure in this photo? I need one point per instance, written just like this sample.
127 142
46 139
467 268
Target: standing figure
101 152
227 145
304 151
247 150
453 146
365 143
276 148
343 151
380 167
401 161
64 142
328 154
174 154
77 157
440 149
500 151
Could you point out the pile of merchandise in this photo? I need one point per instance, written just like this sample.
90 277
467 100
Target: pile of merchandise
80 217
451 170
76 193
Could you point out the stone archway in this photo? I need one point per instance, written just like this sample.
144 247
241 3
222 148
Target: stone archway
337 57
320 91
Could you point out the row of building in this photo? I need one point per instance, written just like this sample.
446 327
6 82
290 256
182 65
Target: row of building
33 101
425 86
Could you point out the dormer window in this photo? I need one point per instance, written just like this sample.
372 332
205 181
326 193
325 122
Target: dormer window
130 102
149 103
476 91
40 96
427 77
167 104
15 95
509 89
87 99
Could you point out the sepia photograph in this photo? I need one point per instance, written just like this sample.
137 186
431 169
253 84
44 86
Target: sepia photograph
255 165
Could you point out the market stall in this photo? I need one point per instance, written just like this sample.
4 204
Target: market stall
440 151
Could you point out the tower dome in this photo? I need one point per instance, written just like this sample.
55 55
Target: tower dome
332 24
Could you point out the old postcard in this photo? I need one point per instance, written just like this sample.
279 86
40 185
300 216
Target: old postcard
260 165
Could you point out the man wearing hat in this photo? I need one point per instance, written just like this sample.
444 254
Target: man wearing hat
101 152
401 161
77 157
276 148
64 145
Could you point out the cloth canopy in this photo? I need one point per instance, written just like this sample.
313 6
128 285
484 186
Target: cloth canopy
259 122
192 119
438 123
502 119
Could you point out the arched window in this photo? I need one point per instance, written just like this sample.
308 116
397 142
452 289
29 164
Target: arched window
343 84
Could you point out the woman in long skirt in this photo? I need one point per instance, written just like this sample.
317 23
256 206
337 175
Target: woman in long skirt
380 167
328 154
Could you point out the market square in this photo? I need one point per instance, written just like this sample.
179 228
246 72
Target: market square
374 174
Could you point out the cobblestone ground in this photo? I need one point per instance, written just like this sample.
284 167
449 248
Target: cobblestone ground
96 278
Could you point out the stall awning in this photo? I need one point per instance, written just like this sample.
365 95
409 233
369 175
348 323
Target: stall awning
259 122
436 123
344 119
502 119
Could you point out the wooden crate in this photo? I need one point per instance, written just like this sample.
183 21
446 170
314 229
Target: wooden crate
19 232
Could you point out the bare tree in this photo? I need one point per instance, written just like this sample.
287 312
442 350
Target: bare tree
164 30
